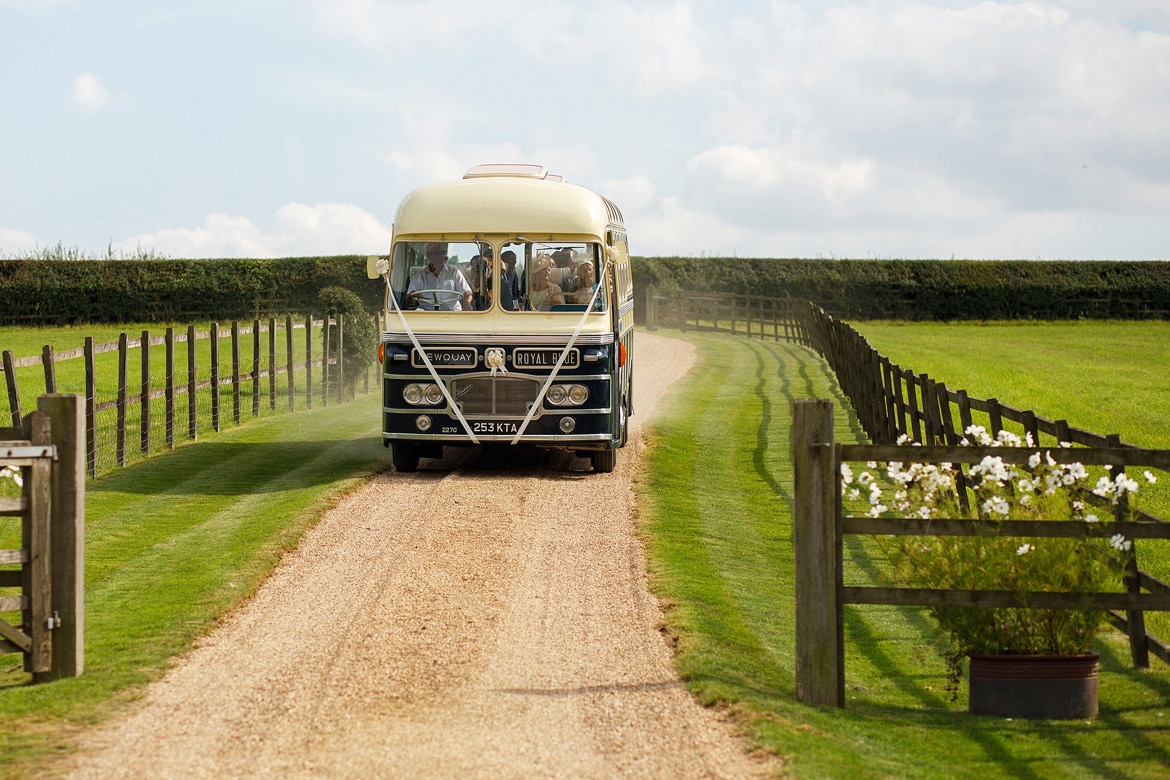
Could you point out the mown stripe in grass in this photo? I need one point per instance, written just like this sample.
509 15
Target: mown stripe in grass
718 526
174 542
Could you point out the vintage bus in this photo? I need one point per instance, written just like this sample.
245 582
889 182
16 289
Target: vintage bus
509 318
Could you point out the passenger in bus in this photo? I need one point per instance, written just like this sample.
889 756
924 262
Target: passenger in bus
563 275
438 287
587 285
481 283
509 282
545 294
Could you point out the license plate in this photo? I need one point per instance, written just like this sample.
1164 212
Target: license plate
494 426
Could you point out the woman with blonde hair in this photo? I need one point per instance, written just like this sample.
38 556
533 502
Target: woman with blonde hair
545 294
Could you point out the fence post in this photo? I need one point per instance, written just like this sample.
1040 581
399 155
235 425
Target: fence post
236 372
913 393
192 408
36 575
13 393
123 392
309 361
1029 423
994 418
341 358
144 399
1135 619
91 405
820 659
215 376
272 364
50 368
292 385
256 368
325 361
66 414
169 391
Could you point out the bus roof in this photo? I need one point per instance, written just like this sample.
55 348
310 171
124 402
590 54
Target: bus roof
506 199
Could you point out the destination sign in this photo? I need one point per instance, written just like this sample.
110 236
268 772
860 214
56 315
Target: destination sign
544 358
445 358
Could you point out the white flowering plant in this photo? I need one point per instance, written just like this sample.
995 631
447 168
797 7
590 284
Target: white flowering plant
997 491
8 473
11 480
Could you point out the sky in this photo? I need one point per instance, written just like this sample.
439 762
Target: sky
877 129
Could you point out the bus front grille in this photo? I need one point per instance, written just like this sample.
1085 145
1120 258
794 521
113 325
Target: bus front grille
499 395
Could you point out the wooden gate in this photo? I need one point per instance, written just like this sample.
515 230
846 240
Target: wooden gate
819 525
47 570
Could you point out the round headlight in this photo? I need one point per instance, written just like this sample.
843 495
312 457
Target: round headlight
412 394
567 424
433 394
423 423
556 395
578 394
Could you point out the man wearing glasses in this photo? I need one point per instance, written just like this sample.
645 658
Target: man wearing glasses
438 287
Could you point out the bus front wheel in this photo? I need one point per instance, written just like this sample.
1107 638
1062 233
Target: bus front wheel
404 456
603 460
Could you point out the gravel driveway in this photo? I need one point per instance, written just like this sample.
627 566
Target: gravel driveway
486 616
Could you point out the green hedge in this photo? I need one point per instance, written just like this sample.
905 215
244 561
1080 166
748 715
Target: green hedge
931 289
61 291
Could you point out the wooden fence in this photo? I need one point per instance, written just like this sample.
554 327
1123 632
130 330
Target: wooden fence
135 420
49 574
819 525
891 402
750 315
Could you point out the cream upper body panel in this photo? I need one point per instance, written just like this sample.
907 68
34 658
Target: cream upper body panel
503 205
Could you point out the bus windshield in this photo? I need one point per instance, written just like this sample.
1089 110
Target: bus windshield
530 276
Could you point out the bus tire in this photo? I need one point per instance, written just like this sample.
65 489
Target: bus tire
603 460
404 456
624 423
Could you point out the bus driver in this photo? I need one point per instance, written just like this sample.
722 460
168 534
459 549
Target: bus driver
438 286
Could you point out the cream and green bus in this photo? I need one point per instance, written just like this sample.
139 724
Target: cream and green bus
509 318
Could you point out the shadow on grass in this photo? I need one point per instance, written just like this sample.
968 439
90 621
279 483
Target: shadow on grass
1118 662
234 468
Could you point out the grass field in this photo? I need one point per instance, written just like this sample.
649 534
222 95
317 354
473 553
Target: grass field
176 540
718 522
1106 377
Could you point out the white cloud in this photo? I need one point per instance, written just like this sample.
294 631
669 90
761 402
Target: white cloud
651 48
637 192
296 230
672 228
89 93
14 241
790 182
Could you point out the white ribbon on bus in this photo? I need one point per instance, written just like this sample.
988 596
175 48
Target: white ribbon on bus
564 353
384 269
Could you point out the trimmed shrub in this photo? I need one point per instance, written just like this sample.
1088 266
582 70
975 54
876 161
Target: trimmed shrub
931 289
359 332
47 292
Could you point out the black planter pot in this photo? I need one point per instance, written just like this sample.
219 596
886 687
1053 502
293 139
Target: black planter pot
1055 687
